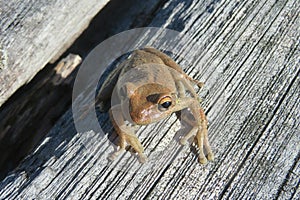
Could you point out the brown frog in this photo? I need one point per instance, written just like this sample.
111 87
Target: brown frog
146 88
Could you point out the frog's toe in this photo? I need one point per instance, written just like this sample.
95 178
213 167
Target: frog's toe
183 141
210 156
112 157
202 160
143 158
115 154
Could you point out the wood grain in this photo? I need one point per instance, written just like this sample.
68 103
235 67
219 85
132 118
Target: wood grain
35 33
247 53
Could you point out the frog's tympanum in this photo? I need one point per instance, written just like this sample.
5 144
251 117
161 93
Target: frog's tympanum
148 87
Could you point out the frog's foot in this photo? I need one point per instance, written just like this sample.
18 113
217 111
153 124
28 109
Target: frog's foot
202 142
142 158
202 159
210 156
122 146
116 154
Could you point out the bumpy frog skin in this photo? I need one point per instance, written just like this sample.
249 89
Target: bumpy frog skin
146 88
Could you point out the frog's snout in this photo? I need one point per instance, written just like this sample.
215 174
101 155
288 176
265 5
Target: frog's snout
141 117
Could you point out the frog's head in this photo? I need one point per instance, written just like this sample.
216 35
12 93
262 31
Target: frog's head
150 103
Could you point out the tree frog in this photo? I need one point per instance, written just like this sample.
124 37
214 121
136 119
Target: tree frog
146 88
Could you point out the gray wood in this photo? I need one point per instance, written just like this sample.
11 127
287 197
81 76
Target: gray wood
34 33
248 55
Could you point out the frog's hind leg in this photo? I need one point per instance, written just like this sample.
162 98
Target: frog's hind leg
184 85
126 135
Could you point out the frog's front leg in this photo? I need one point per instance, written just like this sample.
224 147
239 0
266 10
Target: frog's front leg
199 128
202 139
126 134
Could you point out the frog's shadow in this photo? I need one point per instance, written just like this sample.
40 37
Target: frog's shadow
103 108
106 126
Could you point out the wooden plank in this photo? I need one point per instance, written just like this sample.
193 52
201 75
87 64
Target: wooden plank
34 33
248 55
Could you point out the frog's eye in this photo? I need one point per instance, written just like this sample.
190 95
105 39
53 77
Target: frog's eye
164 103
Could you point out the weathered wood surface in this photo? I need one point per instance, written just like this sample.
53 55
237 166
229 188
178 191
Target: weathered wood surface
248 55
36 32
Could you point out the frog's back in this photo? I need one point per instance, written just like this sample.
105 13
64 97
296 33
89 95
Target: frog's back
150 65
138 59
169 62
151 55
147 65
147 74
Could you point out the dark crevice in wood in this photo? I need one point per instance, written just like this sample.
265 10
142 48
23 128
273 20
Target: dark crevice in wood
229 36
93 183
250 118
267 126
73 179
43 102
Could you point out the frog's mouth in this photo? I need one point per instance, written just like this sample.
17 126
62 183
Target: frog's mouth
143 103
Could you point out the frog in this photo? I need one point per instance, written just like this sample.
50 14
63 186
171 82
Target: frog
148 87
